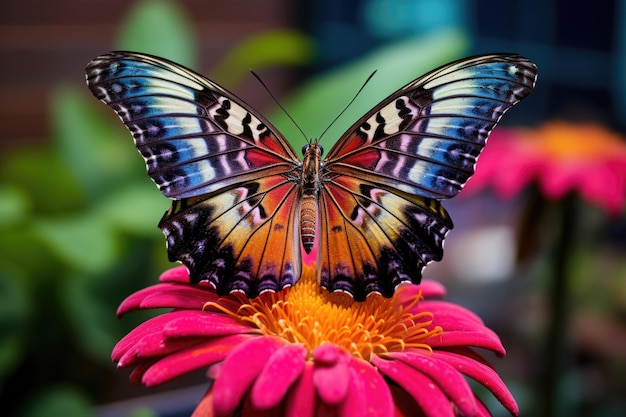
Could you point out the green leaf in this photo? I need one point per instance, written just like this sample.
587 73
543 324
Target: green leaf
273 48
84 242
316 104
93 142
142 411
44 177
160 28
136 208
91 313
15 309
14 206
60 400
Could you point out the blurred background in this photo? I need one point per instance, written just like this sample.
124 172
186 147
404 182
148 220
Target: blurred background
78 215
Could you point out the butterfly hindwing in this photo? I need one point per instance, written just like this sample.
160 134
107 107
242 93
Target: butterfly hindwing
373 239
243 239
382 180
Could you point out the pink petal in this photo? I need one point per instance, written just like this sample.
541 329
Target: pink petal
301 400
155 345
369 394
192 358
428 288
178 274
331 376
426 393
449 340
137 373
239 371
167 296
481 373
133 301
153 325
449 379
282 369
171 332
449 314
461 338
198 323
178 296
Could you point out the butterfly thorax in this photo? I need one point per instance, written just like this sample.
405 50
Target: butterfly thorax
309 188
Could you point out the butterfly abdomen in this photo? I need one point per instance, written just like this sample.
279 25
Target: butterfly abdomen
308 219
309 191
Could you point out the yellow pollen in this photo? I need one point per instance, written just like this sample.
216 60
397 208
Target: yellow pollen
311 315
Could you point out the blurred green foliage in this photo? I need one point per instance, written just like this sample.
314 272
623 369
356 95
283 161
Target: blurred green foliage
78 216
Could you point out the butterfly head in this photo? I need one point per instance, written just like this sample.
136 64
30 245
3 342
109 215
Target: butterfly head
313 148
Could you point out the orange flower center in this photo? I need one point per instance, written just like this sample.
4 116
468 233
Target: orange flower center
311 315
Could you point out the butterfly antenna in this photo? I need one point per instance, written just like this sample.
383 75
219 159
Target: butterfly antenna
348 105
279 105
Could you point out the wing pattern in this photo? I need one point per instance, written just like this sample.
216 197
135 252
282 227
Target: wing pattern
232 221
373 239
195 136
425 138
373 203
244 239
382 180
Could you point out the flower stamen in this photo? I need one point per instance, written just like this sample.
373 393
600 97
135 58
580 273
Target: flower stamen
309 315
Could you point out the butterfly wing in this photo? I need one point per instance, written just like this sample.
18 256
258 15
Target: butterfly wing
381 220
373 238
225 167
244 239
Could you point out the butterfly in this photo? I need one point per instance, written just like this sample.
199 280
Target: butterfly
245 208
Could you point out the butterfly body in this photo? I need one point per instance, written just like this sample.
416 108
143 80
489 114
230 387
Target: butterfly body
245 207
309 193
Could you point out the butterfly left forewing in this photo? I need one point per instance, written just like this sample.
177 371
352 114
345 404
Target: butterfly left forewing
194 136
383 179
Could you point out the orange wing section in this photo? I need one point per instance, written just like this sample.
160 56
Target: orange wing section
371 239
241 240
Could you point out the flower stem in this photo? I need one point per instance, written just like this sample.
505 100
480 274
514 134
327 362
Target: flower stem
559 296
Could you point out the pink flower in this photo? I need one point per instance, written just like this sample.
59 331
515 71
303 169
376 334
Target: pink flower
306 352
561 157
